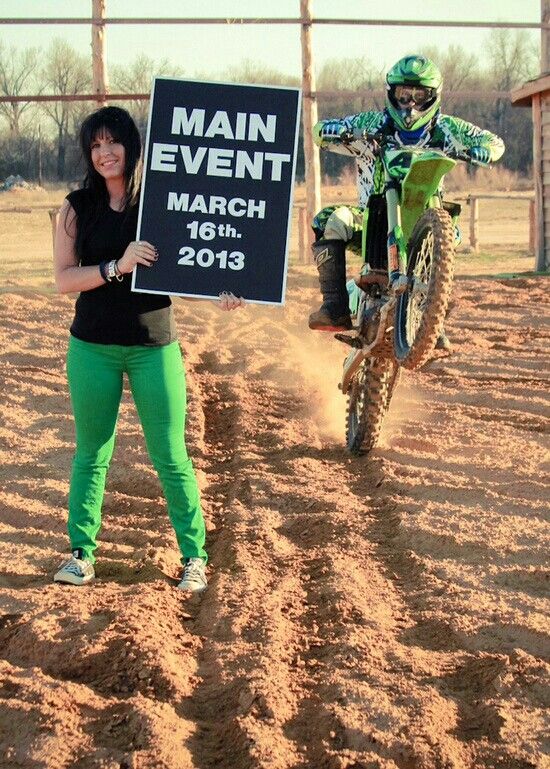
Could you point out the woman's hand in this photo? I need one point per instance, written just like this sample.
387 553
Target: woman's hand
228 301
138 252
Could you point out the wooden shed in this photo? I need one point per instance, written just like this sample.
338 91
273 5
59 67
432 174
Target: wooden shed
537 94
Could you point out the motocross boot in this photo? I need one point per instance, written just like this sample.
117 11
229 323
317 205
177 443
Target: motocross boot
334 314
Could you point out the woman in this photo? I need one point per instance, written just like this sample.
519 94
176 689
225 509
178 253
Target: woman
116 331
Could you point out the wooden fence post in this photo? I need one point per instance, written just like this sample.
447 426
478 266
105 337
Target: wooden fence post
310 117
474 213
304 238
99 71
532 226
54 216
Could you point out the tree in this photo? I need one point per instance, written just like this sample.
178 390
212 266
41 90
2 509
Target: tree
65 72
356 78
513 59
17 76
461 72
137 77
355 75
350 74
249 71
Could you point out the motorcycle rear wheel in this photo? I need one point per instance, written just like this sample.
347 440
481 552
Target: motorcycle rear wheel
368 401
421 309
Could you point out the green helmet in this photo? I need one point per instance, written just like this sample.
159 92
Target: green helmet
413 92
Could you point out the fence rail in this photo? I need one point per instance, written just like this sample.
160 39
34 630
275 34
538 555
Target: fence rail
305 233
228 21
364 94
473 201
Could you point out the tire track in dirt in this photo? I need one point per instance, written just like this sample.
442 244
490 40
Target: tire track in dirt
450 709
307 628
487 659
235 622
372 612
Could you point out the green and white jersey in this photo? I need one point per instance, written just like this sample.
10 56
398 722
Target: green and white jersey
450 134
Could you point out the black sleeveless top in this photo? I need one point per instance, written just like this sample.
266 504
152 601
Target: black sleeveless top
112 313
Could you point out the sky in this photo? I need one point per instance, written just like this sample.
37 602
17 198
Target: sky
211 49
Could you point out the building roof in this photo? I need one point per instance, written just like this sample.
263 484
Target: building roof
522 96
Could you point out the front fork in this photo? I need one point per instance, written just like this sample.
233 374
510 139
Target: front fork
397 251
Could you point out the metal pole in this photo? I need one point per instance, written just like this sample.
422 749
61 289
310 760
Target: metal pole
310 117
99 71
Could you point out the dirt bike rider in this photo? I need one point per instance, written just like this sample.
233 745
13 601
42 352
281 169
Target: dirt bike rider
411 117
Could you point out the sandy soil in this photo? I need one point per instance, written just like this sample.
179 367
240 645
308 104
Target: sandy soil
381 612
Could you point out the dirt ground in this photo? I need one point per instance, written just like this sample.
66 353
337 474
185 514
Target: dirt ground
380 612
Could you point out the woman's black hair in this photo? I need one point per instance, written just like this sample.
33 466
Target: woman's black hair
120 125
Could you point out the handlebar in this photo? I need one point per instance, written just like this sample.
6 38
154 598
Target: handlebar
381 141
377 139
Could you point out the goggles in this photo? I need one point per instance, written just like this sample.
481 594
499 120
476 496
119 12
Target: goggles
419 94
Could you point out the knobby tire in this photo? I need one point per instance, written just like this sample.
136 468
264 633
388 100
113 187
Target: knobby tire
431 253
368 401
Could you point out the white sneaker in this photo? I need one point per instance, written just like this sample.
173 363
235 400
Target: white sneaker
75 571
194 577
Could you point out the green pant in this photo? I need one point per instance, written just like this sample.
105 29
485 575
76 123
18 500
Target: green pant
157 381
341 223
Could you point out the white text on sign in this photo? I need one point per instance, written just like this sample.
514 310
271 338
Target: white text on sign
247 127
216 204
219 161
207 258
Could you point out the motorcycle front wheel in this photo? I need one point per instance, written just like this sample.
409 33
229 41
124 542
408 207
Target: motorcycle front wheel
368 401
421 309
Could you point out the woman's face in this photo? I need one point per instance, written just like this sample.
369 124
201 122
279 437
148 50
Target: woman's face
108 156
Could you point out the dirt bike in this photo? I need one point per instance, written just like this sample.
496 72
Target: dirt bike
400 300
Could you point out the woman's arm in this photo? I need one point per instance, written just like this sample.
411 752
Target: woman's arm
69 276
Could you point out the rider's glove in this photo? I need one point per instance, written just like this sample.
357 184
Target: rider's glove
480 155
333 128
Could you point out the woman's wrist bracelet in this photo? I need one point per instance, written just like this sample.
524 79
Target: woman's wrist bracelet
103 271
109 270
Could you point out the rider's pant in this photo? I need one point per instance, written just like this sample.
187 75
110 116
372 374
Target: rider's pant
340 223
157 381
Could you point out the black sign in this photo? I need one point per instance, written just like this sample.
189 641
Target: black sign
216 198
